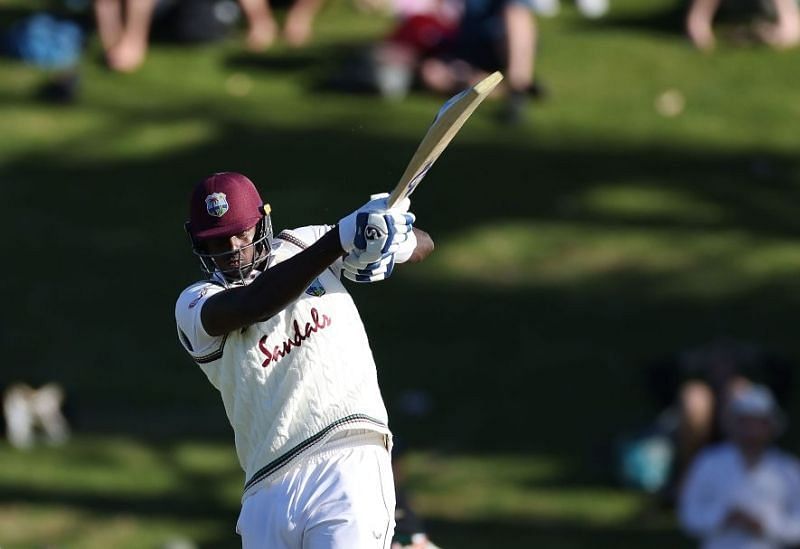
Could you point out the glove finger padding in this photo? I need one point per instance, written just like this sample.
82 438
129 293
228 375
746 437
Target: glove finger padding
400 223
353 268
380 233
405 249
402 206
349 226
400 242
355 261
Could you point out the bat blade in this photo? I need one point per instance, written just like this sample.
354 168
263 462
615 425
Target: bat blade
449 120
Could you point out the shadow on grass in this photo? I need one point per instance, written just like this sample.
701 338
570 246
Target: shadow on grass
527 369
198 505
283 63
551 535
666 20
519 368
195 498
497 360
340 69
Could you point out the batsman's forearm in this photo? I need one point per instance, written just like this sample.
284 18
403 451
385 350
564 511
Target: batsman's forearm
278 286
424 246
272 290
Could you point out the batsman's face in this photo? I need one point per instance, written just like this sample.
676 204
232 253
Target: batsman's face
232 252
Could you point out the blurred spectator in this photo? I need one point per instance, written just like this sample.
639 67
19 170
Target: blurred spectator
696 385
588 8
25 409
45 41
744 493
424 29
124 36
125 26
492 35
263 29
195 21
409 531
774 22
592 8
52 44
449 45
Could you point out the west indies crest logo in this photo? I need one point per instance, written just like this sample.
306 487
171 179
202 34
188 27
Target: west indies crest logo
217 204
316 289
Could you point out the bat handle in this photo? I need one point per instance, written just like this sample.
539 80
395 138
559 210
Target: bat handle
394 198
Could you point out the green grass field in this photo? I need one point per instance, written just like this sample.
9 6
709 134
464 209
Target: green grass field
572 250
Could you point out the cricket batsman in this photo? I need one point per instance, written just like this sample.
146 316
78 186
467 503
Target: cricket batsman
277 334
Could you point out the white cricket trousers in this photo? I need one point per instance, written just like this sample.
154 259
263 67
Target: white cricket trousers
341 497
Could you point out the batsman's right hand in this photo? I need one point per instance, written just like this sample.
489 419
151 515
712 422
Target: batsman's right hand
355 270
372 231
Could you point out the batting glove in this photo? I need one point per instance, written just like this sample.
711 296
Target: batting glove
406 248
355 270
373 231
347 225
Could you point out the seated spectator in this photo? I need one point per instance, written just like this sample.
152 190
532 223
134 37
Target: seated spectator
744 493
424 29
124 36
697 384
126 26
779 29
29 412
263 29
409 532
492 35
390 67
591 9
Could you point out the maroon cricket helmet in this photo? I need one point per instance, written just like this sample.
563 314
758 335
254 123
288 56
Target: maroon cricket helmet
222 205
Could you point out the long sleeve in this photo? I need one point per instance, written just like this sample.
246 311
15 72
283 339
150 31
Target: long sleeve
783 527
704 501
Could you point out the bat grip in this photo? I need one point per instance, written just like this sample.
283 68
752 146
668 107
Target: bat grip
393 199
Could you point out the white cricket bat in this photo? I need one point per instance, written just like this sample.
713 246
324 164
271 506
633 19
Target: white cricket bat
445 126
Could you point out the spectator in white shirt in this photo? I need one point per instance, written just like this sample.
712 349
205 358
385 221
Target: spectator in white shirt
744 493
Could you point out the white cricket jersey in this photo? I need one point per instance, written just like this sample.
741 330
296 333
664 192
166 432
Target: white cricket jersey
719 481
292 381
